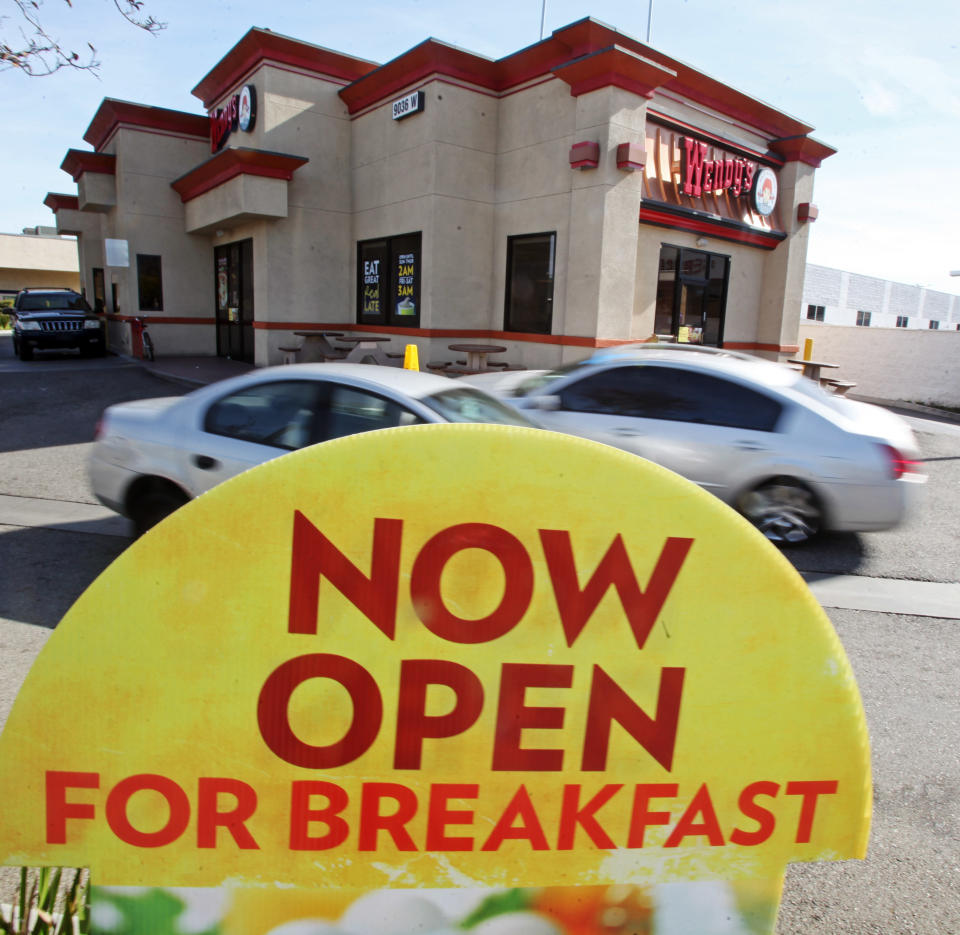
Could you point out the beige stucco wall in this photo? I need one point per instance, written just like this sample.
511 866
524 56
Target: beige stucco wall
97 191
302 263
150 216
891 363
28 260
782 282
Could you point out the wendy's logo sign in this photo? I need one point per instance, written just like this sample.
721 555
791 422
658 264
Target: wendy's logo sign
765 192
700 176
238 113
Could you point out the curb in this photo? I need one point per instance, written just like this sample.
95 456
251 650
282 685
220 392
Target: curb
945 415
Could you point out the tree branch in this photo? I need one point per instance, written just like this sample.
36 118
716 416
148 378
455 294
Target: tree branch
38 54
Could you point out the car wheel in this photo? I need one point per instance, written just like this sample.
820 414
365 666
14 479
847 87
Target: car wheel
25 352
784 510
154 501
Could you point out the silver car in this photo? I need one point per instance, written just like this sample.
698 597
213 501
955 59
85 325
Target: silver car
153 455
789 456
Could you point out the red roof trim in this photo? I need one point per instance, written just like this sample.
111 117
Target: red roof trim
78 161
56 201
615 66
803 149
428 58
112 113
229 163
561 50
262 45
718 229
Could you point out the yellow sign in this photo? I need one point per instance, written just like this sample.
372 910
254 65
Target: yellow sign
441 656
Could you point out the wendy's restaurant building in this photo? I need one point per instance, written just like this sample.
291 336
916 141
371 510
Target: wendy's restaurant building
582 192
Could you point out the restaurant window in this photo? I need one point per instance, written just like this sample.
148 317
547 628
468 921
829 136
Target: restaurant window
816 312
934 325
691 295
530 271
902 321
149 282
388 281
863 319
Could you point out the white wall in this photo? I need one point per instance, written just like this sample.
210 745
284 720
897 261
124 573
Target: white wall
910 365
842 294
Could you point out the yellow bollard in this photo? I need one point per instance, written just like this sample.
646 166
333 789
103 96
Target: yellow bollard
411 357
808 348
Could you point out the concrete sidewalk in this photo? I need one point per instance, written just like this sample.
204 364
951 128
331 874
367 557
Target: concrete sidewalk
195 371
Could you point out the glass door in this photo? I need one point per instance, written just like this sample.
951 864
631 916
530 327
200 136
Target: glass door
233 282
691 295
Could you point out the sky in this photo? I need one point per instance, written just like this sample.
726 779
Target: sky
878 79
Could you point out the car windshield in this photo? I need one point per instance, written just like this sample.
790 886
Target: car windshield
539 380
466 404
44 301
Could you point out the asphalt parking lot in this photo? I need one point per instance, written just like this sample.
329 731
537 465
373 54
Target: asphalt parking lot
907 664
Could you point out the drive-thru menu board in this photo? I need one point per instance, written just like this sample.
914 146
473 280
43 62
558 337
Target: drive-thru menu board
487 662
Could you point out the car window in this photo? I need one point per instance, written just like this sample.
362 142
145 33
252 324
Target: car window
280 414
532 384
465 404
350 410
43 301
659 392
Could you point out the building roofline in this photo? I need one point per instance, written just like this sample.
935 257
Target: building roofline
78 161
564 48
113 113
262 45
232 162
58 201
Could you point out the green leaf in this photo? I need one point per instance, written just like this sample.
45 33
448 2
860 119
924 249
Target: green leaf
496 904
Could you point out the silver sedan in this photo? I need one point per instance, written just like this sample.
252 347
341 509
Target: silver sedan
791 457
153 455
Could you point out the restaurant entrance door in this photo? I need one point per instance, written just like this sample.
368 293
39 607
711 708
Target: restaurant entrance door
691 295
233 283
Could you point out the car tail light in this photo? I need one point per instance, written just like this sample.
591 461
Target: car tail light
900 465
98 430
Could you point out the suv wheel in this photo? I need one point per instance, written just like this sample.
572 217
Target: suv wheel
24 351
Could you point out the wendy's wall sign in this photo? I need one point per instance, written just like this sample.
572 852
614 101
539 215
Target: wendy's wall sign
497 673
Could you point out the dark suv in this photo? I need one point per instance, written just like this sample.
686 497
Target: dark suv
53 319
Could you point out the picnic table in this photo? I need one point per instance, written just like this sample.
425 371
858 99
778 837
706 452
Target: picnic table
812 368
477 354
316 347
367 347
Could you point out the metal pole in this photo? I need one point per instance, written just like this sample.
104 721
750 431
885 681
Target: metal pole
543 10
649 19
